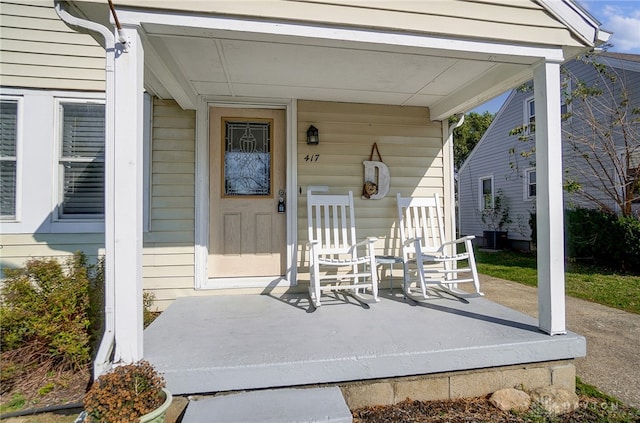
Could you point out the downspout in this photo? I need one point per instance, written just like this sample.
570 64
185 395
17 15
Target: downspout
102 361
454 226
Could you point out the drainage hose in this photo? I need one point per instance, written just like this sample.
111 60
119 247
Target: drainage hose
50 409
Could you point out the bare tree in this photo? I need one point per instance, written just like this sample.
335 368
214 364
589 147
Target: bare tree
602 132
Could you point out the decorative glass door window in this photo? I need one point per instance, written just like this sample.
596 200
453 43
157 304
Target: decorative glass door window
247 157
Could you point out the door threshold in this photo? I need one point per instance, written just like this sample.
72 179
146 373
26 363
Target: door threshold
248 282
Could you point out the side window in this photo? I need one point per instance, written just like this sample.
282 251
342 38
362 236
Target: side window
8 157
565 95
531 116
633 173
530 184
486 193
81 162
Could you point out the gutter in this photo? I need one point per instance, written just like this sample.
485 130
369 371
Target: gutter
454 222
103 359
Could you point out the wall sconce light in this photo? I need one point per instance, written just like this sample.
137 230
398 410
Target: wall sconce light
312 135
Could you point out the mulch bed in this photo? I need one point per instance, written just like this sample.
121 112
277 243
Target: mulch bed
481 410
41 386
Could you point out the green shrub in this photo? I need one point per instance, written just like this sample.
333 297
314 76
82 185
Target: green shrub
601 238
148 315
607 240
48 312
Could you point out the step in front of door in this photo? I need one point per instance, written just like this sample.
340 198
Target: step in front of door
271 406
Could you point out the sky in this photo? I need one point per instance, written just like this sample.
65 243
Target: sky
622 17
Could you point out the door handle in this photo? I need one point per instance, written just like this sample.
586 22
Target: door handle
281 204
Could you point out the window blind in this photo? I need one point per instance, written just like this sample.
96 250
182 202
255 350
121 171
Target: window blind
8 142
82 160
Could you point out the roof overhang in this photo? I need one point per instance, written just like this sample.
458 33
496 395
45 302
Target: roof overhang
199 54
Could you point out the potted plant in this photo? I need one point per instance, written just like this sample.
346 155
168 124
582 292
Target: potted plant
496 218
129 393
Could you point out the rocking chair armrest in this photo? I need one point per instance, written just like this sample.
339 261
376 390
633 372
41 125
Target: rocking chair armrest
411 241
460 240
369 240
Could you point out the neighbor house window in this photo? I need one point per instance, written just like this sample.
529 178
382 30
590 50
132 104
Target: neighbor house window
531 116
565 110
565 94
529 184
634 173
486 193
8 158
81 160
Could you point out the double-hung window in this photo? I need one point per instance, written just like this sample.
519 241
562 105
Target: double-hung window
8 157
81 162
530 184
486 193
633 174
530 106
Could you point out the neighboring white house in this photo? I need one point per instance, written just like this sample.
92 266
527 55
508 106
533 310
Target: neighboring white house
502 163
180 77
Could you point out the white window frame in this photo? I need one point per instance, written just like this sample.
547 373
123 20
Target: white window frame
37 155
565 92
529 119
481 203
634 166
59 172
17 159
527 183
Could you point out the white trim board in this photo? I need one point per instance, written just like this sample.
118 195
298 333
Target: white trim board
250 28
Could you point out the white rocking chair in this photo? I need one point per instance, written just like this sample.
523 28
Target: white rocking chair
428 257
332 241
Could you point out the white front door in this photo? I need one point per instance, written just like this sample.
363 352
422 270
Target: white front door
247 235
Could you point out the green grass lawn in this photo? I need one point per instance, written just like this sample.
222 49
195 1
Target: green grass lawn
582 281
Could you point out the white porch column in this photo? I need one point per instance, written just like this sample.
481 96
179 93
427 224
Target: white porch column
550 228
124 213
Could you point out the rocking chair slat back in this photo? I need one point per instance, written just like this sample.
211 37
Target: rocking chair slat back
331 222
421 218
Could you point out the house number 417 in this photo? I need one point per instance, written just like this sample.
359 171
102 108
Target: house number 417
311 157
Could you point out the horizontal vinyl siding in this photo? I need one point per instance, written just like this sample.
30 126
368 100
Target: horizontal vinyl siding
168 260
410 145
492 158
521 21
16 250
574 165
38 50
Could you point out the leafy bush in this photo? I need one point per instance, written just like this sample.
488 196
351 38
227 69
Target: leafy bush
125 394
606 239
148 316
601 238
48 313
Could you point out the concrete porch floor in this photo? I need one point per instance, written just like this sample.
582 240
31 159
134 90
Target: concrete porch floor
242 342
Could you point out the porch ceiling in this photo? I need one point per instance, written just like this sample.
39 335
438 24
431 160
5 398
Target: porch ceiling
184 62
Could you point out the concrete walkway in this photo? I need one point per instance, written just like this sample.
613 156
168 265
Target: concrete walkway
613 337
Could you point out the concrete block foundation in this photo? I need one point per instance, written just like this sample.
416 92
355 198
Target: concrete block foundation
453 385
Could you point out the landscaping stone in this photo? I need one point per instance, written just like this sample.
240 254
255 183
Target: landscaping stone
555 400
511 399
